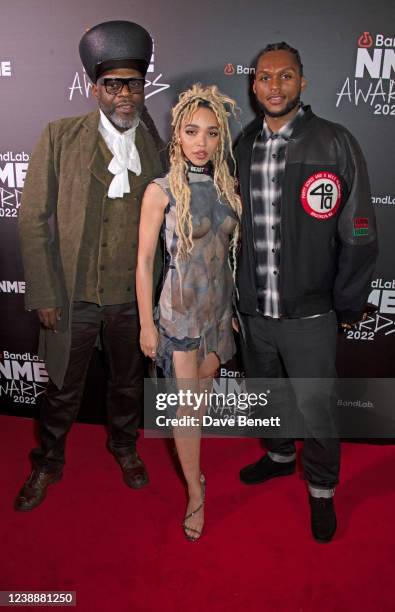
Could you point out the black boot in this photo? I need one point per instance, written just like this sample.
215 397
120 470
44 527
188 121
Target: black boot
34 490
323 518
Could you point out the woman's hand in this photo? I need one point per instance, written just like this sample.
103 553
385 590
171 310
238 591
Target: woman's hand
149 341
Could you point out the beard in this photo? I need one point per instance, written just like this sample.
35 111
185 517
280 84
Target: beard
295 102
124 123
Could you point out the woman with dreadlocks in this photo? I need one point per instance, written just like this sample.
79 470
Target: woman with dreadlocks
199 209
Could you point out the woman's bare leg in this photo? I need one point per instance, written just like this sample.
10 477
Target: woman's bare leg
187 440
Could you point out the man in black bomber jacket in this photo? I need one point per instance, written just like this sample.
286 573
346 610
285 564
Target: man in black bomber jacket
307 256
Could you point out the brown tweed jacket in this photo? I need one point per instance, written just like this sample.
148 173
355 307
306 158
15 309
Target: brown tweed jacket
67 170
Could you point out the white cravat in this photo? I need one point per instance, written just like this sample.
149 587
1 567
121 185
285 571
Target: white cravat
126 156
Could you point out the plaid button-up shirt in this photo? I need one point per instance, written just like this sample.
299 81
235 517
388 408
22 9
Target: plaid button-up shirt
267 171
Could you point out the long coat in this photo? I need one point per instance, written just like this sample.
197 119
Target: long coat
67 169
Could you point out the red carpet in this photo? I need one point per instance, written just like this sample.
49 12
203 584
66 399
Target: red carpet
123 550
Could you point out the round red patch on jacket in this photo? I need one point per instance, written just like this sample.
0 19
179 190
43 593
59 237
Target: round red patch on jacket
321 195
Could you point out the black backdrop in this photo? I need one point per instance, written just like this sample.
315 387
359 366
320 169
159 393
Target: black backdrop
348 51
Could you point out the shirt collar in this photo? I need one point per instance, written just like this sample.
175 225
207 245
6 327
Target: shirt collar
285 131
126 156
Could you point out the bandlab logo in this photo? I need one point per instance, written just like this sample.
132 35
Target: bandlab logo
373 83
383 321
23 377
13 168
225 373
81 84
230 69
379 64
385 200
365 40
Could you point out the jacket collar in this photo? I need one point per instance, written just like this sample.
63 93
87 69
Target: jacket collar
93 149
255 127
306 121
286 131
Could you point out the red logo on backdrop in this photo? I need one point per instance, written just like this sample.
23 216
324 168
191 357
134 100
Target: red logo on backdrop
321 195
365 40
229 69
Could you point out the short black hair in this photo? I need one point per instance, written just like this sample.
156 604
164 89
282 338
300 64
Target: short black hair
280 46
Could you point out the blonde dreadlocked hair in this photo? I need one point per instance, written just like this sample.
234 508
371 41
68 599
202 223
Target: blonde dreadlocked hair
189 102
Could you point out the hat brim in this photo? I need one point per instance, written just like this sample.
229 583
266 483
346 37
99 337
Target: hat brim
110 65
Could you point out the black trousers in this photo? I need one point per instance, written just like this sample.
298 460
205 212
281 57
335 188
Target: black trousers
300 349
120 337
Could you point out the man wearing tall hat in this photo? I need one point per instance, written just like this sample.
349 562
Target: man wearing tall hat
79 231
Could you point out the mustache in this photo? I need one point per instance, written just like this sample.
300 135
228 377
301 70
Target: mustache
290 106
128 102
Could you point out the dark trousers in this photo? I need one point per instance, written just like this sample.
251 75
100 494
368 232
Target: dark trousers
120 337
300 349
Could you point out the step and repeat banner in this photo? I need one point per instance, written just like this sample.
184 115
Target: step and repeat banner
348 52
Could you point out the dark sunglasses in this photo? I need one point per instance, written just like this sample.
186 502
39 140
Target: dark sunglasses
114 85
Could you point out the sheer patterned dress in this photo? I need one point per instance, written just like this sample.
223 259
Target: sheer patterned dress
195 304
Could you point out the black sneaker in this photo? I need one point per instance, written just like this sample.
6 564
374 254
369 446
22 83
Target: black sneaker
265 469
323 518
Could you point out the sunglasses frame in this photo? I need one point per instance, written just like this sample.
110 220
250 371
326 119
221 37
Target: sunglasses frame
123 81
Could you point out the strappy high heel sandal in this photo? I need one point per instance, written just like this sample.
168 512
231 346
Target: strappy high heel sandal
189 537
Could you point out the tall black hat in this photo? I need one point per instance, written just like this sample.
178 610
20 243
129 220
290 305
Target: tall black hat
115 44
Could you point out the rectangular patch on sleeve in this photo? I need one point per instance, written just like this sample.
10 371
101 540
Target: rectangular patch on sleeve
361 226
